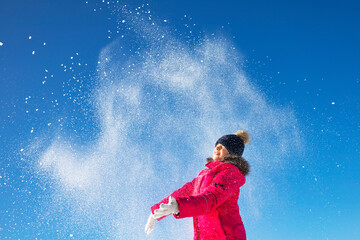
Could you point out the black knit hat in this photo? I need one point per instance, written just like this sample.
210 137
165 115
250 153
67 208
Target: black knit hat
233 143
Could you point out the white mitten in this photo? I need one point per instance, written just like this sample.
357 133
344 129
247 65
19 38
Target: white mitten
150 225
166 209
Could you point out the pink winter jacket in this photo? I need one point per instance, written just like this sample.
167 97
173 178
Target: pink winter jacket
211 199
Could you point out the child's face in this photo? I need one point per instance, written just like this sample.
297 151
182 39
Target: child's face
219 152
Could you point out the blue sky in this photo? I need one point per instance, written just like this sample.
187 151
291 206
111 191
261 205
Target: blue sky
90 88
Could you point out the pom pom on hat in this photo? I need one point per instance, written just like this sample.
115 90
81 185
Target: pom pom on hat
243 135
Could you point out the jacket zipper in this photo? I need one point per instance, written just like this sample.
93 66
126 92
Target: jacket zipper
197 228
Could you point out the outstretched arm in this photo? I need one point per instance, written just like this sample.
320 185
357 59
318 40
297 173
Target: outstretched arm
224 184
163 211
185 190
167 206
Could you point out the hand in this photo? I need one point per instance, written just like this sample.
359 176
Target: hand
166 209
150 225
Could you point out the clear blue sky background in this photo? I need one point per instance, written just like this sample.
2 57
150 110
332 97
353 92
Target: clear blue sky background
304 56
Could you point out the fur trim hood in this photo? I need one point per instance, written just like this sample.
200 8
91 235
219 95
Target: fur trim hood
237 161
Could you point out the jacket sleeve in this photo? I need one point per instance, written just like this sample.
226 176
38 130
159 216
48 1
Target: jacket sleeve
224 184
185 190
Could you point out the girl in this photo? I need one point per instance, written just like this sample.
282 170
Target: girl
211 198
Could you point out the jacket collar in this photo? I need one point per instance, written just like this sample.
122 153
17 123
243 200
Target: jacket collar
213 164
